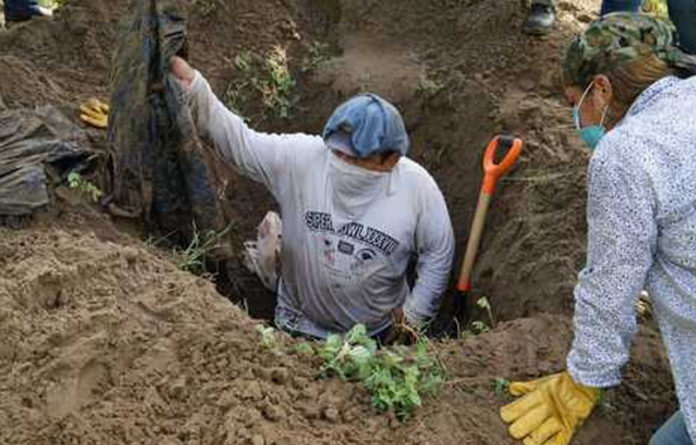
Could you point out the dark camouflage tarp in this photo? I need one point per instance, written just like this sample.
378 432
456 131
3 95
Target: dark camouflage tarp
35 145
159 168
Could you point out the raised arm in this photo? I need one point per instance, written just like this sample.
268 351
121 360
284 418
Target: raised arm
262 157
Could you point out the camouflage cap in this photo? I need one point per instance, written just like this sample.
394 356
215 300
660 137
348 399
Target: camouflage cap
620 38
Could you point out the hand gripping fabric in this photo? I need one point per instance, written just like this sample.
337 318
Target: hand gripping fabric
160 170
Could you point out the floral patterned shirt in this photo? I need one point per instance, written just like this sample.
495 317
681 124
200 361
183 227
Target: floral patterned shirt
641 213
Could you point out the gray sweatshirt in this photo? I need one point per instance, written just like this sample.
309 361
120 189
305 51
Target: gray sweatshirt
642 235
348 233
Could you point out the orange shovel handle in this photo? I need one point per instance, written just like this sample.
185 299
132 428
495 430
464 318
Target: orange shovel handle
492 171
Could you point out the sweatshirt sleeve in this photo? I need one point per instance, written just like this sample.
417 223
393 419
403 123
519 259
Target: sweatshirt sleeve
622 239
260 156
435 250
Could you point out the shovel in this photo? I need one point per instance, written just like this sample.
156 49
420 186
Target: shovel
508 148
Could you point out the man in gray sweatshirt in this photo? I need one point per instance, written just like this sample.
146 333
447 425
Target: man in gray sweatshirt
355 210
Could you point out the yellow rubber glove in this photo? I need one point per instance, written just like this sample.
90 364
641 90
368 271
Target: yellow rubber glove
550 412
95 113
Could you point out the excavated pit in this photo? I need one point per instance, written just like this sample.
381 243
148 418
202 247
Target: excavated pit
459 78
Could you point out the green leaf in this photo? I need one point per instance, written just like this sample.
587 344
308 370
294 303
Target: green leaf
358 334
74 180
483 303
268 339
304 348
334 342
396 377
360 354
501 386
480 327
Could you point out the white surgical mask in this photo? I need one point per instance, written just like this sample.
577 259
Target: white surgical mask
354 188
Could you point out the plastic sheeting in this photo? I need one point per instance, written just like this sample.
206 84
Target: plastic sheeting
35 144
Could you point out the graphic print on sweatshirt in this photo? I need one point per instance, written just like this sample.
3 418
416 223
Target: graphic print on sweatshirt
353 251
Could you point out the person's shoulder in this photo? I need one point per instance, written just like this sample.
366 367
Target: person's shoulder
309 141
415 175
412 168
303 146
677 89
615 148
625 152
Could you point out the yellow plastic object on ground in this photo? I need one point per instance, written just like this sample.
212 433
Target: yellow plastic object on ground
644 305
551 409
95 112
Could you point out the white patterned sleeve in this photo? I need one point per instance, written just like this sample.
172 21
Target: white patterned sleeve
622 236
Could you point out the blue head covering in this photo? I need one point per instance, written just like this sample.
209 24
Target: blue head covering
369 125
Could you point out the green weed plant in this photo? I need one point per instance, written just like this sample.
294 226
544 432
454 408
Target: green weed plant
266 77
501 386
192 258
397 377
429 87
278 87
268 337
479 326
78 182
318 56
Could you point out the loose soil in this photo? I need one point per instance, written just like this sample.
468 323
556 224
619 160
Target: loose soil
107 342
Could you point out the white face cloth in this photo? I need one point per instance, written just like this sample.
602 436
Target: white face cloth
354 188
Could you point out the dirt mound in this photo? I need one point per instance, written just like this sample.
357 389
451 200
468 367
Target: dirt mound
66 57
527 348
107 343
22 84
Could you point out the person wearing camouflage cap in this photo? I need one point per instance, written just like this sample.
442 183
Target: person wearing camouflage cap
633 95
618 39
